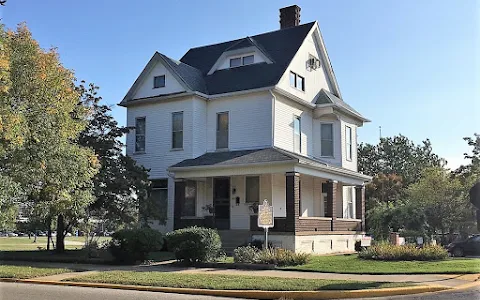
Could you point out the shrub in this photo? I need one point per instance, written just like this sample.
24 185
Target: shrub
195 244
407 252
257 244
281 257
245 254
129 246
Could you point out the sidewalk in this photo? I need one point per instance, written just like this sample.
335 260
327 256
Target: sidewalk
446 280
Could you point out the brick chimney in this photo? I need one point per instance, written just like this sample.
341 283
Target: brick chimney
289 16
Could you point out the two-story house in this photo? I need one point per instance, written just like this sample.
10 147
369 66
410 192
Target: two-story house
260 117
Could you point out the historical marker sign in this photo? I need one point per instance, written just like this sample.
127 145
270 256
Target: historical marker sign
265 215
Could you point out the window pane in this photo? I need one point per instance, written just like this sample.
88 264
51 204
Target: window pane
222 130
248 60
159 81
300 83
292 79
160 199
222 121
327 148
189 205
222 139
177 120
252 189
296 125
235 62
140 126
140 143
177 140
327 131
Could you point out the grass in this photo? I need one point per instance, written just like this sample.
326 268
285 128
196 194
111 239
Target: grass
354 265
24 243
25 272
228 282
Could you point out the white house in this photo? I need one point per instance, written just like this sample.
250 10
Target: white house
260 117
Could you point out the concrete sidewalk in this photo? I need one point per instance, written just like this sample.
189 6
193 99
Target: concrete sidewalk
446 280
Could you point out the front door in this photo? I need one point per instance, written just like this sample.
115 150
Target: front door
221 202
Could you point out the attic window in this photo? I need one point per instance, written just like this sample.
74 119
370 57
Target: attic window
159 81
297 81
241 61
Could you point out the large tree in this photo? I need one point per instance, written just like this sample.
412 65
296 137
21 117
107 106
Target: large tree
51 168
397 155
121 187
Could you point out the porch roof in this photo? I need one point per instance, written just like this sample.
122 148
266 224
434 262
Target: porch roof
262 157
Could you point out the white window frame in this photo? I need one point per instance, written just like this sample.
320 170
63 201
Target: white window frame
295 117
217 130
302 88
350 209
241 57
173 131
259 188
333 140
164 81
144 135
348 143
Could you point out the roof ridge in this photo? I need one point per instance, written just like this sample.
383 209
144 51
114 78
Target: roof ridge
252 36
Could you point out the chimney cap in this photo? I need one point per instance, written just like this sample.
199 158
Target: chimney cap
289 16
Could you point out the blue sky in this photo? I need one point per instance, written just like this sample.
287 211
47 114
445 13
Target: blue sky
409 66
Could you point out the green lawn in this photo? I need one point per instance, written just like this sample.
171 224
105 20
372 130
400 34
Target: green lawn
24 272
227 282
24 243
352 264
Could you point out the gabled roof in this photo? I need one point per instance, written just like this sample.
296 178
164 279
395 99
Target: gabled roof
192 77
325 97
280 46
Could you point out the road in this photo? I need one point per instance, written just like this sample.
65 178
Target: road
22 291
467 294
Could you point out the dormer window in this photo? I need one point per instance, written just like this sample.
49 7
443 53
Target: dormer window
241 61
159 81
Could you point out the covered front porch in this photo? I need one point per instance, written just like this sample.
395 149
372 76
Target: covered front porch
309 198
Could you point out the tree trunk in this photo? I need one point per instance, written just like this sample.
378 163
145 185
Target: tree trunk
60 234
49 232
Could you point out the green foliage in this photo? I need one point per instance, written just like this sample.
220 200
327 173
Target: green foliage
389 252
281 257
133 245
399 217
195 244
10 195
444 200
121 187
397 155
245 254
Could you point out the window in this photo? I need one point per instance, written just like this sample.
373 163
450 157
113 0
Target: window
235 62
140 134
297 134
349 209
158 81
222 130
190 203
159 195
326 140
297 81
177 130
348 142
252 189
242 61
324 196
248 60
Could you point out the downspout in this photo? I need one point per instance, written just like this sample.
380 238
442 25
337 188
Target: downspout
274 99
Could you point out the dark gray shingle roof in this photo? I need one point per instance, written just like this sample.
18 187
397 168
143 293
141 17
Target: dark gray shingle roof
325 97
280 46
192 76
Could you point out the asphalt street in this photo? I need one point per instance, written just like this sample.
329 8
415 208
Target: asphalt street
467 294
23 291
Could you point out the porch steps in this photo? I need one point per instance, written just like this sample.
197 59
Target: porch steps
231 239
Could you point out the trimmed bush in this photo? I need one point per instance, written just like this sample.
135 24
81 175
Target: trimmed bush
246 254
406 252
281 257
129 246
195 244
257 244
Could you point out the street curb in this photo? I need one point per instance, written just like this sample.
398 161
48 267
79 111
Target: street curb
251 294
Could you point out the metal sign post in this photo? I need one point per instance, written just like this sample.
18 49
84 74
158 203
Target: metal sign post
265 218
